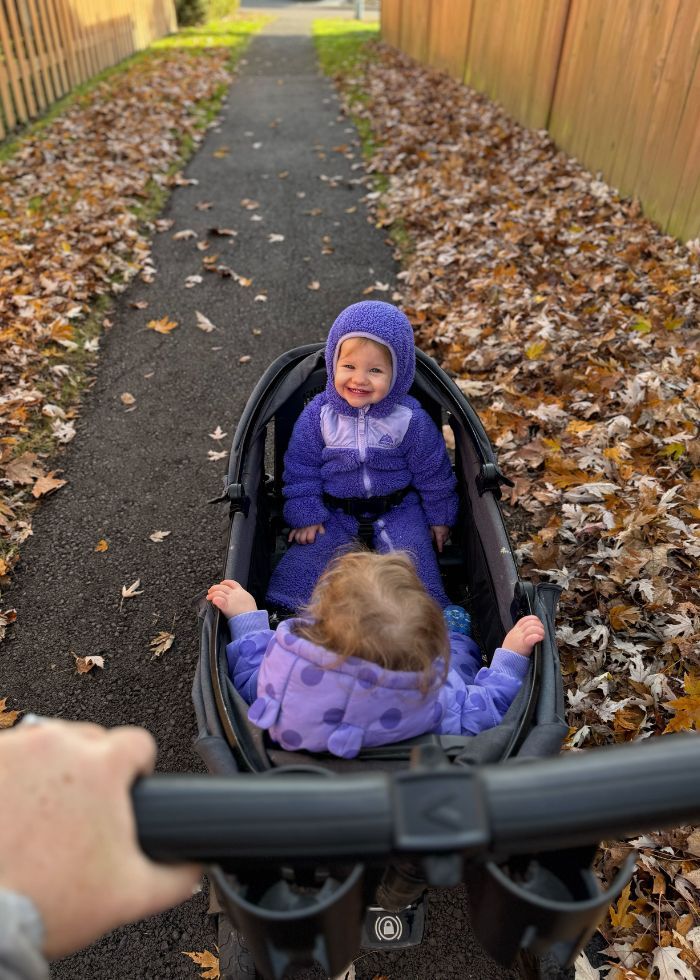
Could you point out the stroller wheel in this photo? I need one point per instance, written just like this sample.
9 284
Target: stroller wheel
547 967
235 959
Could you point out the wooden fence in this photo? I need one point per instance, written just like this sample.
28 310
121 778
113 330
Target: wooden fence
616 82
47 47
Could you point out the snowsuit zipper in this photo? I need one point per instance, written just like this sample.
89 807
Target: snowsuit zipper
362 448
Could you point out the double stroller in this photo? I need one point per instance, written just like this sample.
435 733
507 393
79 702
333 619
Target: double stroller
531 910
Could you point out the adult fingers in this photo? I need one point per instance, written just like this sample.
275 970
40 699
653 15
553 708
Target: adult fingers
134 751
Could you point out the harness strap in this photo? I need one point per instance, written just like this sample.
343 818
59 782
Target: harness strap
363 506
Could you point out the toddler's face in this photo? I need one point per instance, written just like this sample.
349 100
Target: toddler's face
363 372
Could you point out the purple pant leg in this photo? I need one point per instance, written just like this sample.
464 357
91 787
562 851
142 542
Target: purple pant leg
294 579
405 528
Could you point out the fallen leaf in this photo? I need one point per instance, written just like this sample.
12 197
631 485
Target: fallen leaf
218 433
192 281
249 204
670 966
204 205
24 469
261 298
85 664
161 643
127 398
181 236
214 455
244 358
159 536
47 484
139 304
223 151
164 325
224 232
273 237
102 545
620 916
208 962
203 323
584 969
314 285
129 591
7 718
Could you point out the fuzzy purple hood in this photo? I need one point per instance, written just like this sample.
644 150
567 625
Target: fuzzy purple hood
387 325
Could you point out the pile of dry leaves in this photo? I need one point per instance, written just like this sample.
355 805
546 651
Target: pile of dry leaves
70 232
568 319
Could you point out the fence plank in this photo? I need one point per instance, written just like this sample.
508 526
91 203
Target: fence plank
20 54
415 28
449 35
7 109
19 107
67 28
390 13
41 57
664 159
55 45
48 49
681 219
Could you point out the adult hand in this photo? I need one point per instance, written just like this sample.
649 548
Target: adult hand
68 836
231 598
440 533
306 535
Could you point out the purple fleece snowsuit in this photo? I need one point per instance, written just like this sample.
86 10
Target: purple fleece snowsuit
309 701
365 452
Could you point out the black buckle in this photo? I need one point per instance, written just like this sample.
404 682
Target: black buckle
235 495
492 478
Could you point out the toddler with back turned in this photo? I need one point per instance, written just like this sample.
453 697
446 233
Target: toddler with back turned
370 661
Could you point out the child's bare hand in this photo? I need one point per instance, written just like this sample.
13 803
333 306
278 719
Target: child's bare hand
306 535
231 598
440 533
525 634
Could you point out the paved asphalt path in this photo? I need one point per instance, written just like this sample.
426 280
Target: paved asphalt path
132 472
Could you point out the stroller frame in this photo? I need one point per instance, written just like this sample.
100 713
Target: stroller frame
553 903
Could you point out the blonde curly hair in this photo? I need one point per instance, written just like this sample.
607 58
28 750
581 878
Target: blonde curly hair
375 607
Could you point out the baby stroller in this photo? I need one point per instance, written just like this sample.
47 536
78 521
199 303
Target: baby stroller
294 913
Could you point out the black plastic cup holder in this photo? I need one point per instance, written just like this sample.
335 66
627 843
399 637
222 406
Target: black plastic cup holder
555 906
286 926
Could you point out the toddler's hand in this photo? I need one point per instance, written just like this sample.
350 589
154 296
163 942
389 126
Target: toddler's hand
306 535
440 534
525 634
231 598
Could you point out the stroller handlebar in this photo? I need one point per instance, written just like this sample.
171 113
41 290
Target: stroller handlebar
509 808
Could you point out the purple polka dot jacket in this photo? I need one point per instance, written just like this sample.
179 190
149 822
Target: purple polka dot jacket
306 699
372 451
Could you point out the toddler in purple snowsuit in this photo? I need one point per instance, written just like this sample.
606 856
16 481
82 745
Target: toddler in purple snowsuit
364 440
370 661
